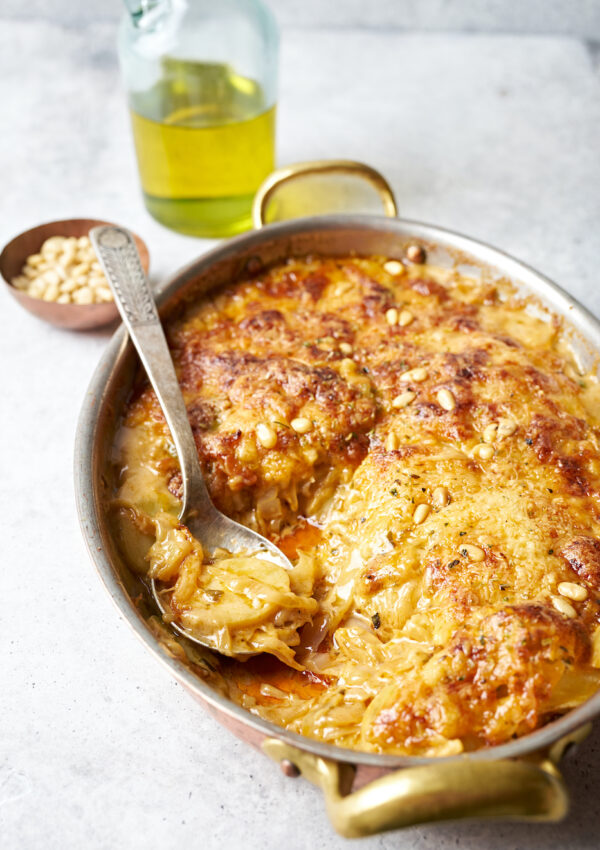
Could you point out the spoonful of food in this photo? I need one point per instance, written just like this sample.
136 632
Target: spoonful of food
244 604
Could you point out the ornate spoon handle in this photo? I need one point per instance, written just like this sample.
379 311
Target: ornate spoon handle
118 255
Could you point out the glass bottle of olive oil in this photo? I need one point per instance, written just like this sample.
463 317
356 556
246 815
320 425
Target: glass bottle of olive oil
203 121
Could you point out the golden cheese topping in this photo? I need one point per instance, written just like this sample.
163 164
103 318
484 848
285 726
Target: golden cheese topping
424 449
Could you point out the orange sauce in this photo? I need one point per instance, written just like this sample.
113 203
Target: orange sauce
304 536
249 676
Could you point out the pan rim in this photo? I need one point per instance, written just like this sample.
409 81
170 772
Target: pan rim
577 316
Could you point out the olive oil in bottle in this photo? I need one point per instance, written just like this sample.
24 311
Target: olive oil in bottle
204 140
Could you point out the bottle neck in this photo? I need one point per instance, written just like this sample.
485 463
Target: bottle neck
147 14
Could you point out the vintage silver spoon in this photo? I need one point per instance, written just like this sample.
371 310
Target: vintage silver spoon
118 256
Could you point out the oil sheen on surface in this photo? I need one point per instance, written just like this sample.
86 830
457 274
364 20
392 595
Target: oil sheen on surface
425 450
204 140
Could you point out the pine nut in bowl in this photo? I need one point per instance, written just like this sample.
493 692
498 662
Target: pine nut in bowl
52 272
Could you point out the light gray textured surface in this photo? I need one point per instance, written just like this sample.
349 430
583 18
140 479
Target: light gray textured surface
492 135
564 17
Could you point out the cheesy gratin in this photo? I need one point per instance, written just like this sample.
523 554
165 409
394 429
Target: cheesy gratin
424 449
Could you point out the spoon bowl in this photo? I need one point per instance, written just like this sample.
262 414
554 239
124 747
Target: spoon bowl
117 252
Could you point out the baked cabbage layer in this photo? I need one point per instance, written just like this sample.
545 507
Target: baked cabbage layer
425 449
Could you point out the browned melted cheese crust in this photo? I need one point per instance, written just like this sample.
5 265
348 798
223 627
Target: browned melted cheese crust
427 444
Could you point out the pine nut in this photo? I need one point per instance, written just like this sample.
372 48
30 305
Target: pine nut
405 318
571 590
440 497
311 454
483 452
246 450
417 375
420 513
446 399
391 316
83 295
64 266
104 294
391 442
87 254
80 269
53 245
393 267
95 280
51 293
51 278
563 607
66 258
266 436
301 425
346 348
473 553
404 399
506 428
36 288
347 368
489 432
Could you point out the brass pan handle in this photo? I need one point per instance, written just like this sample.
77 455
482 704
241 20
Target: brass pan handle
529 789
321 166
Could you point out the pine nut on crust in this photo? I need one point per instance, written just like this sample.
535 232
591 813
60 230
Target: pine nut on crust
440 497
563 607
394 267
418 374
420 513
446 399
490 432
483 451
571 590
301 425
404 399
473 553
266 436
506 428
391 443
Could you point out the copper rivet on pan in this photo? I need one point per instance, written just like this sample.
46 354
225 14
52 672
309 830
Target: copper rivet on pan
289 768
416 254
254 265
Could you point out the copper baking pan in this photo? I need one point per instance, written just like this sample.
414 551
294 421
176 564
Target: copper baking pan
364 792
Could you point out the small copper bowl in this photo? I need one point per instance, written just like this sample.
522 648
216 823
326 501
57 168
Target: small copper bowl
72 316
